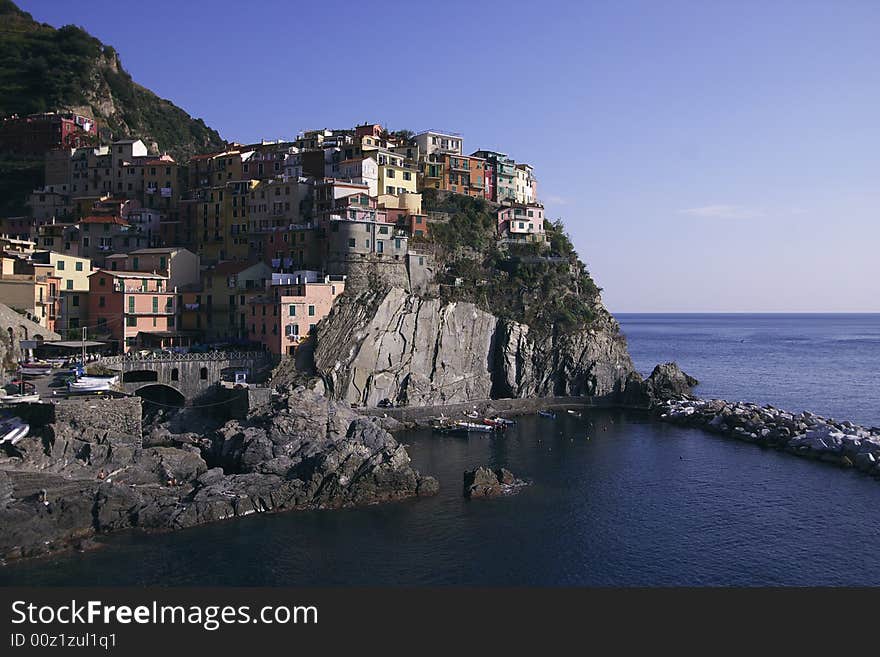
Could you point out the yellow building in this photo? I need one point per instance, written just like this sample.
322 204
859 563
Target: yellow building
396 175
161 188
221 222
73 274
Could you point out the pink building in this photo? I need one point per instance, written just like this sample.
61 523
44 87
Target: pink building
286 315
522 222
132 308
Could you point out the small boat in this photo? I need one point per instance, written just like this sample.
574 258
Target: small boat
575 413
35 369
83 387
474 427
472 415
12 430
20 398
99 378
503 421
549 414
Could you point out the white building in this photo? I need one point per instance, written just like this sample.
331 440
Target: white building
431 141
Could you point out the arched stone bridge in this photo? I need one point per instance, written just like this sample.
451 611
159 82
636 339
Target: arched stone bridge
190 375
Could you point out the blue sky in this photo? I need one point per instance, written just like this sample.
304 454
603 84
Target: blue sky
705 155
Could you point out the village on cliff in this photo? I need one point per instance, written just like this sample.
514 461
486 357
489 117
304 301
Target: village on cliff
129 249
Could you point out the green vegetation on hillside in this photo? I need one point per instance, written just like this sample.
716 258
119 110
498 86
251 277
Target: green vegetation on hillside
544 289
44 69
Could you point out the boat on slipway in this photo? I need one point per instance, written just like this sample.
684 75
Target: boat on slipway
12 430
92 384
35 369
27 394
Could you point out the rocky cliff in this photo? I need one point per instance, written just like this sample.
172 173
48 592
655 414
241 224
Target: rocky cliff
418 351
15 327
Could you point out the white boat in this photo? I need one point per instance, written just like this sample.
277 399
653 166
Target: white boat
19 398
35 369
473 426
82 387
110 379
12 430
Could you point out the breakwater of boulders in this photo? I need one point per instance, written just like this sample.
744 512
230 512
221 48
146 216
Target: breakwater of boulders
803 434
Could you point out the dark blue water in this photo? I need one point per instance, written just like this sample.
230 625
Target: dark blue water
828 364
639 503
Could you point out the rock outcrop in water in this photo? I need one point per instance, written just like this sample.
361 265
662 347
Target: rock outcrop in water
485 482
419 352
302 451
803 434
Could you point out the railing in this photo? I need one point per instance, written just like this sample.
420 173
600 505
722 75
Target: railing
155 357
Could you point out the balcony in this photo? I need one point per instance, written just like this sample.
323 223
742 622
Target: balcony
136 290
167 310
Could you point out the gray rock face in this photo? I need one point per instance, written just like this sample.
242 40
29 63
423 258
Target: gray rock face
485 482
803 434
666 382
15 327
301 451
419 352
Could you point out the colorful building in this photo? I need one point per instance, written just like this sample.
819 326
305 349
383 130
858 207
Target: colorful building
73 288
433 141
520 222
525 185
37 133
287 314
133 309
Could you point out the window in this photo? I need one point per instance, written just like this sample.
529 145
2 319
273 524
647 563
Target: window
175 374
292 310
389 173
311 311
380 246
74 300
130 321
59 265
79 266
203 374
69 284
102 302
351 243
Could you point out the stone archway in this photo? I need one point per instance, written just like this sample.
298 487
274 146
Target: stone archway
160 395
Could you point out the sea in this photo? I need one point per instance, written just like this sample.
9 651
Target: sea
614 498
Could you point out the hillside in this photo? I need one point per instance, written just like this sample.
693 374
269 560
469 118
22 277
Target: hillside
43 68
547 290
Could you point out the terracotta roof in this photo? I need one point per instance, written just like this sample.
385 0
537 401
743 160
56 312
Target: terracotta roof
129 274
233 266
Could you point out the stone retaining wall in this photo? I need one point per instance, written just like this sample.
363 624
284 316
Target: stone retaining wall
120 417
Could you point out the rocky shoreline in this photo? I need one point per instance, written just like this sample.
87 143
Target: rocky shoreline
61 488
803 434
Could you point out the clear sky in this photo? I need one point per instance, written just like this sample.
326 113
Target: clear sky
705 155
